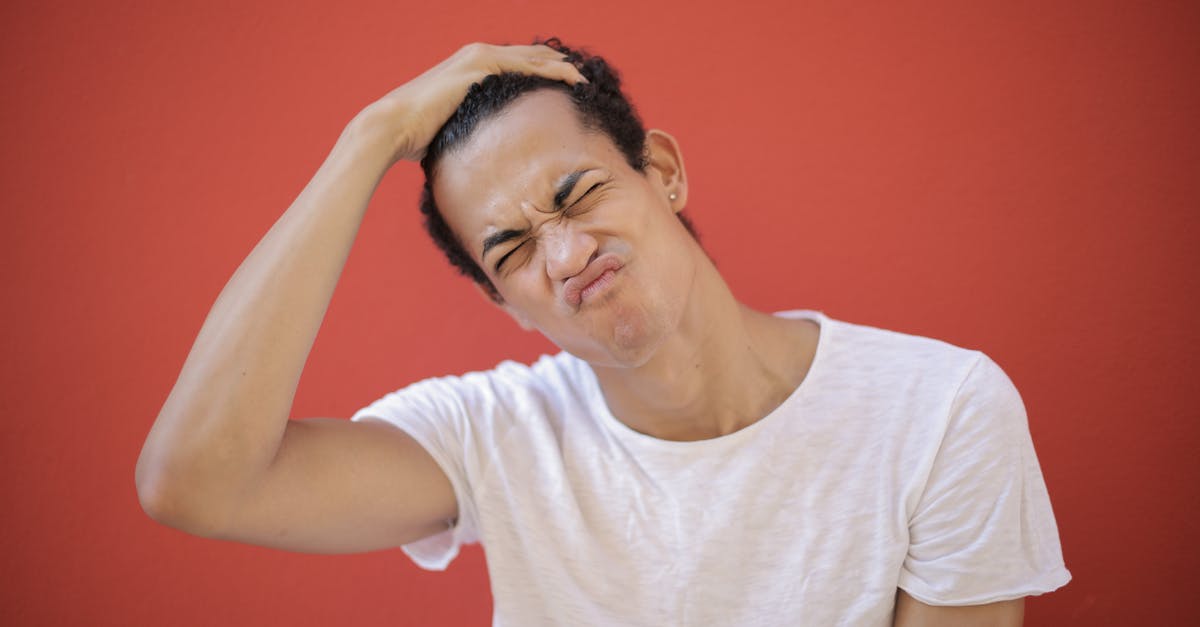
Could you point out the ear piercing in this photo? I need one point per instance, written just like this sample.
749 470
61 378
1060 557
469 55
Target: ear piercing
672 196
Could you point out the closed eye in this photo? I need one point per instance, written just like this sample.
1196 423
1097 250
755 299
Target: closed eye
507 254
585 194
594 187
589 190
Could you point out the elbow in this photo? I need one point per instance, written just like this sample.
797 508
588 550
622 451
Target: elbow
173 505
153 496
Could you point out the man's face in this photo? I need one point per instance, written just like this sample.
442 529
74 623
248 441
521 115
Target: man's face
578 244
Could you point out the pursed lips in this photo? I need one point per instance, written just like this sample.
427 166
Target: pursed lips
575 287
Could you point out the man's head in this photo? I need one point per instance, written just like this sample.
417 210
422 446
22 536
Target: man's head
601 105
565 211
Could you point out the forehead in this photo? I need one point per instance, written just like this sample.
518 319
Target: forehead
515 159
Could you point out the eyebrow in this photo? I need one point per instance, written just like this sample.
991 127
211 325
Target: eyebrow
566 187
496 239
564 190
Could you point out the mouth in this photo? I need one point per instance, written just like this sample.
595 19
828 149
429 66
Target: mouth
595 279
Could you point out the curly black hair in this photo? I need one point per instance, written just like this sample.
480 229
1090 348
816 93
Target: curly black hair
601 106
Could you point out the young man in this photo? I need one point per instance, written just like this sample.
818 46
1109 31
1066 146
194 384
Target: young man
685 461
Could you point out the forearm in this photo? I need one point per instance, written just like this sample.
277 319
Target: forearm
223 421
218 434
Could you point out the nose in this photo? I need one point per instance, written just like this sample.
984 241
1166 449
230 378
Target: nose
568 249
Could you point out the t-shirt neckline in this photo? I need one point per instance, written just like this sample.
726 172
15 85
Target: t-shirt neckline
627 434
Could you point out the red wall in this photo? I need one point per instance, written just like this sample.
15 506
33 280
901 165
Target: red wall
1023 179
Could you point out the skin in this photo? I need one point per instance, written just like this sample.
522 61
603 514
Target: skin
222 459
677 356
913 613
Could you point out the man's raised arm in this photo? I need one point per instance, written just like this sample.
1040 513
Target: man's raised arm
222 459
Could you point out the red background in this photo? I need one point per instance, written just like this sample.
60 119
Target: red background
1022 178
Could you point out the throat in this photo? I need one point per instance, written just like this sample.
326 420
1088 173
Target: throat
723 384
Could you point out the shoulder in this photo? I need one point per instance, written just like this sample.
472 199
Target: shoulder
885 345
910 391
511 391
870 362
551 382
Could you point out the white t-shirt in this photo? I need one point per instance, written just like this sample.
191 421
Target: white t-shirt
899 462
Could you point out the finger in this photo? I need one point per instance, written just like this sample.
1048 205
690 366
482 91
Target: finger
557 69
543 61
537 49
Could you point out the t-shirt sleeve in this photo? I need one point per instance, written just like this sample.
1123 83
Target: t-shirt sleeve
983 530
438 413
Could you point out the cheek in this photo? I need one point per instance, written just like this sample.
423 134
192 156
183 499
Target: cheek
660 236
527 289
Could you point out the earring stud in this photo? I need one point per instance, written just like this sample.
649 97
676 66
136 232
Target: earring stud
672 196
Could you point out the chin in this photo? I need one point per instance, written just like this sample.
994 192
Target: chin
633 343
627 338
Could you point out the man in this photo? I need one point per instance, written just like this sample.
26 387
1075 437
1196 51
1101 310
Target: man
685 461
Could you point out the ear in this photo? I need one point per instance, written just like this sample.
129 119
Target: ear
489 294
665 169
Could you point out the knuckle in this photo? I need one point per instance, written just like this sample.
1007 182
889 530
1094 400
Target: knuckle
473 50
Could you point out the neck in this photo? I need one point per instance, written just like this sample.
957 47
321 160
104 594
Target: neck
724 367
